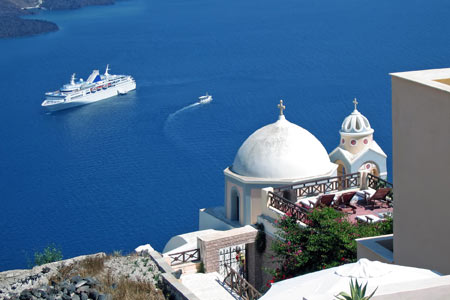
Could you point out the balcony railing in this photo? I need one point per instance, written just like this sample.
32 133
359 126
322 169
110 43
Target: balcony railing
319 186
184 257
240 286
287 207
377 183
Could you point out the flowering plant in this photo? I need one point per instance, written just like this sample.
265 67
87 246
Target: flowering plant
327 241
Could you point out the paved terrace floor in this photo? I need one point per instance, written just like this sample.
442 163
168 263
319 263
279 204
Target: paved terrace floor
363 212
208 286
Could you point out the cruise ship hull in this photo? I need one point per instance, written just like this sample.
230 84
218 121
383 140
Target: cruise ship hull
102 94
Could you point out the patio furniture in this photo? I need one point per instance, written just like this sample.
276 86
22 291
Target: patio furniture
379 198
368 218
325 200
343 203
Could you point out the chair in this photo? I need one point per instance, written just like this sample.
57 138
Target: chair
324 200
379 198
343 203
368 219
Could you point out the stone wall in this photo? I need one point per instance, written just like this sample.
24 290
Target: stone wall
261 262
211 244
171 283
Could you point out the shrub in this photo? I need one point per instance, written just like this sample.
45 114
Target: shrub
357 292
50 254
328 241
260 238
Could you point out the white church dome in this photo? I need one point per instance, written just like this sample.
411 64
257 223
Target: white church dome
282 150
356 124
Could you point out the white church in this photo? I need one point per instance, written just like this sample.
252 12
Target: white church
284 153
276 155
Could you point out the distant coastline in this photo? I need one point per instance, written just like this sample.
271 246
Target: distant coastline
13 25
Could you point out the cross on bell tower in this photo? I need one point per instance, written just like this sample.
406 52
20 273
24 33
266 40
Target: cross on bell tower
281 107
355 102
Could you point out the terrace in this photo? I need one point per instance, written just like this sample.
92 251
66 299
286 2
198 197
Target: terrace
361 196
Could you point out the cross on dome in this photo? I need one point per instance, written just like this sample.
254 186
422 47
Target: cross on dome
355 102
281 107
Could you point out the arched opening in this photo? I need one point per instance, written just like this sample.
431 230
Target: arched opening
375 172
370 167
235 204
340 172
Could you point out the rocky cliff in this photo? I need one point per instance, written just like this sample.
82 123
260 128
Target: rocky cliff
12 25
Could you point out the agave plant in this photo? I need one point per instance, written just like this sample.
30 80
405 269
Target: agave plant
357 292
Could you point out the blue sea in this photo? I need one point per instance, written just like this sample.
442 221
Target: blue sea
136 169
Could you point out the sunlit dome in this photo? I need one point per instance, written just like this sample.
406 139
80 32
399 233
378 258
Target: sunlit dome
356 124
282 150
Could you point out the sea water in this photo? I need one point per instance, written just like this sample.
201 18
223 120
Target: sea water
136 169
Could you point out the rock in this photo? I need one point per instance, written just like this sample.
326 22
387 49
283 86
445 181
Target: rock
84 296
25 295
93 294
75 279
144 249
80 283
45 270
82 289
75 297
91 281
36 293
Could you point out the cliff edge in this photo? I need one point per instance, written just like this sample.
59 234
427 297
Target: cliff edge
13 25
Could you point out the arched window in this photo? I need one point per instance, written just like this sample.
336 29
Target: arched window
235 204
371 167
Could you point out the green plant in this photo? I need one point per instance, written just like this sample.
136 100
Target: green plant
50 254
357 292
201 268
327 241
260 238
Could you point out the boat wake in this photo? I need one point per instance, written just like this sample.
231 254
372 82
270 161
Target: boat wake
172 115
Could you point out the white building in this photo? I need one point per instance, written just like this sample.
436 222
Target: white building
277 154
357 150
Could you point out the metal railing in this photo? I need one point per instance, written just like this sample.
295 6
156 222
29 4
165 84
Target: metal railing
377 183
287 207
184 257
319 186
240 286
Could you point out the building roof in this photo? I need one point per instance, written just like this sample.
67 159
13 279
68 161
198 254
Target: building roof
352 157
356 124
282 150
437 78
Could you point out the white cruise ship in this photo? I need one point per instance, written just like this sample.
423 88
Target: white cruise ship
97 87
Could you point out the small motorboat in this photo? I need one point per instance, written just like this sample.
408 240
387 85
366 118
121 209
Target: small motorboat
205 99
121 92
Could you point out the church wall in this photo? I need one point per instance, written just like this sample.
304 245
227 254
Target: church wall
231 183
256 209
338 157
359 143
208 220
370 156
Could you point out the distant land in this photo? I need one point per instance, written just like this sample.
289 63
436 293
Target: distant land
13 25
